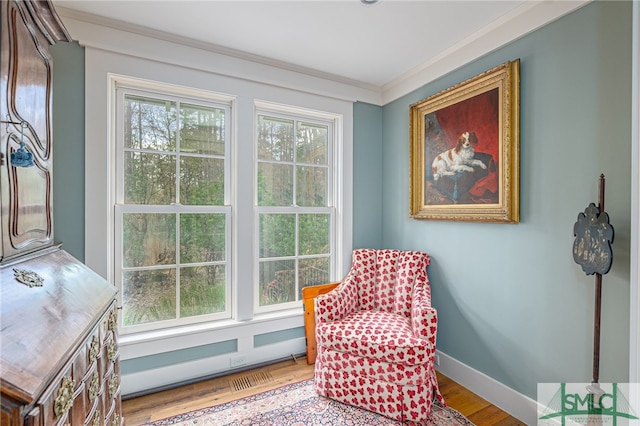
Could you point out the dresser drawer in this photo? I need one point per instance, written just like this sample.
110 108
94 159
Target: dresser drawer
87 390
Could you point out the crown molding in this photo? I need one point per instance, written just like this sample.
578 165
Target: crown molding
521 21
112 35
524 19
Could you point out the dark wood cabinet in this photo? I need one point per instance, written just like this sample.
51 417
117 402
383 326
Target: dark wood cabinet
59 356
28 29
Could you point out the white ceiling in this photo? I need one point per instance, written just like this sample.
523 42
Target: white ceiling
346 40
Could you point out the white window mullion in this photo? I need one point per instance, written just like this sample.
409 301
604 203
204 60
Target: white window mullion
118 257
295 170
297 258
178 126
177 266
119 145
231 137
177 202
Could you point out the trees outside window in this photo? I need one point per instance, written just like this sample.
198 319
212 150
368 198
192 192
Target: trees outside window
295 209
175 221
173 215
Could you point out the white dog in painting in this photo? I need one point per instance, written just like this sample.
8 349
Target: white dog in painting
458 159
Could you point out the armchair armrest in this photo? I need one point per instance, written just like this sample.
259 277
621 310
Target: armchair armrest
424 318
338 303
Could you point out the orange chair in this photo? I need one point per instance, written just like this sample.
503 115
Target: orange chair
309 295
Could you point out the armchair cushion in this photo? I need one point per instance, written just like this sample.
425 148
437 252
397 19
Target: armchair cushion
377 335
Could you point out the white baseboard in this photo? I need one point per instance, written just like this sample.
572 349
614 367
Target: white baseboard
516 404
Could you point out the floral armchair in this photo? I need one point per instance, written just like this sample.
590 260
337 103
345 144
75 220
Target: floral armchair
376 336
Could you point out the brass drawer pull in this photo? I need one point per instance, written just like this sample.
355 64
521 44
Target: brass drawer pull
96 419
94 387
27 277
112 350
64 400
94 349
113 320
113 385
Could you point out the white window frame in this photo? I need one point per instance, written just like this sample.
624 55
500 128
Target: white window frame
110 54
334 126
120 87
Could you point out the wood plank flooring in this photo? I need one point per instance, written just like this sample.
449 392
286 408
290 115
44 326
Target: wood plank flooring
223 389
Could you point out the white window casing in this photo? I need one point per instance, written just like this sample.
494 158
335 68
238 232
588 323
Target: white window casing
121 87
101 69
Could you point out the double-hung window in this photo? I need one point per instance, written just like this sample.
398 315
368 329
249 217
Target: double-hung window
173 213
295 209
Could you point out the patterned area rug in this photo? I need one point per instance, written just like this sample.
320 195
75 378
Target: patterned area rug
297 404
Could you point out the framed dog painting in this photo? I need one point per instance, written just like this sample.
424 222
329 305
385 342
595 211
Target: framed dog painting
465 150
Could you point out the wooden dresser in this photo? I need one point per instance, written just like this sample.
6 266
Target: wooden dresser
59 357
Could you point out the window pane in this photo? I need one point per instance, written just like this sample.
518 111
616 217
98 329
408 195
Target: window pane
149 124
311 144
202 290
275 184
149 178
201 181
275 139
277 235
313 272
202 237
277 282
313 234
311 186
148 296
148 239
202 130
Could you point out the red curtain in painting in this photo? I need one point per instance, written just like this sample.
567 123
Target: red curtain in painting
477 114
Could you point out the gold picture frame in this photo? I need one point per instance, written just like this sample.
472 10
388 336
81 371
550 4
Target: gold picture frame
465 150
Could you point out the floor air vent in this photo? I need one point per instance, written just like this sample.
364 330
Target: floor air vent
246 382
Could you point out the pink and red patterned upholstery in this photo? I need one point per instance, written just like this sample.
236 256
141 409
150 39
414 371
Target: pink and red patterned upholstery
376 336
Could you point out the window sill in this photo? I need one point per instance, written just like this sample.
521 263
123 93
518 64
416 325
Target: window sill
187 330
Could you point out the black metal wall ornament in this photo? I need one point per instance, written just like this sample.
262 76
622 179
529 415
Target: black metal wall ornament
592 251
592 246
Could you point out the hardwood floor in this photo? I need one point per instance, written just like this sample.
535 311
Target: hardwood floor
476 409
219 390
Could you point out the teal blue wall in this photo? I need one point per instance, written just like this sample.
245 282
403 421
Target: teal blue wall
68 149
511 301
367 175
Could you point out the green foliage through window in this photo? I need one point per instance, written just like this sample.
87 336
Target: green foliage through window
293 172
174 258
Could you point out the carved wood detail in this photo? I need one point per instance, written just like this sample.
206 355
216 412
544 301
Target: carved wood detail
29 28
